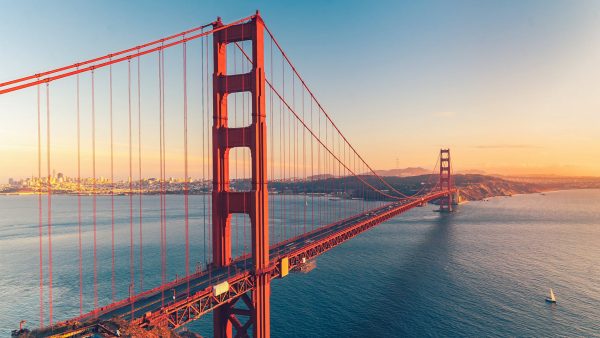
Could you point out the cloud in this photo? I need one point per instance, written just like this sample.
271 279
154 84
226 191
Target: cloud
506 146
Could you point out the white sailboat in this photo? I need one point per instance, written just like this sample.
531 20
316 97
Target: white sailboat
552 298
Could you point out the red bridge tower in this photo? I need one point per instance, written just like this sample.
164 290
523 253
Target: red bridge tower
445 180
253 202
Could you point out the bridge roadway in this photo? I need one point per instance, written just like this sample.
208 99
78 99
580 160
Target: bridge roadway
160 301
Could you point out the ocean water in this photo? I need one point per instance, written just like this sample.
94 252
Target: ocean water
482 271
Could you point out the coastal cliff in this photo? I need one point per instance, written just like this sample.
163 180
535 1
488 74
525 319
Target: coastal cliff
479 187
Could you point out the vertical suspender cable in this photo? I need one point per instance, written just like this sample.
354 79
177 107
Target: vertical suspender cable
342 173
162 176
290 168
290 135
271 127
304 162
209 146
297 175
284 207
131 249
340 180
186 186
49 206
160 112
319 168
282 168
112 186
327 168
164 158
40 215
204 160
343 167
330 180
293 157
94 192
298 172
139 92
79 201
208 150
312 170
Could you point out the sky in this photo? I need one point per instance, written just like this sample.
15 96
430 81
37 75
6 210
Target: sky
512 87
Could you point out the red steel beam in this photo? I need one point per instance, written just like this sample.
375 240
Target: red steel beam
197 305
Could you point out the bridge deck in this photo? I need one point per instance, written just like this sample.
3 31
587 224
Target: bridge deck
159 307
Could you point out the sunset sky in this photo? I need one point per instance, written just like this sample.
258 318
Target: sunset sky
512 87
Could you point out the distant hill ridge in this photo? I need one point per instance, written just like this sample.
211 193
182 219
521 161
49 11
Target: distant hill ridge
403 172
472 186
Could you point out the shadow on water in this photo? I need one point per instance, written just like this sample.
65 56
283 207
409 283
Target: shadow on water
403 308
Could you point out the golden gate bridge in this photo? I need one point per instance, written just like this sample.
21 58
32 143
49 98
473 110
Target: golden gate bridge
270 144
